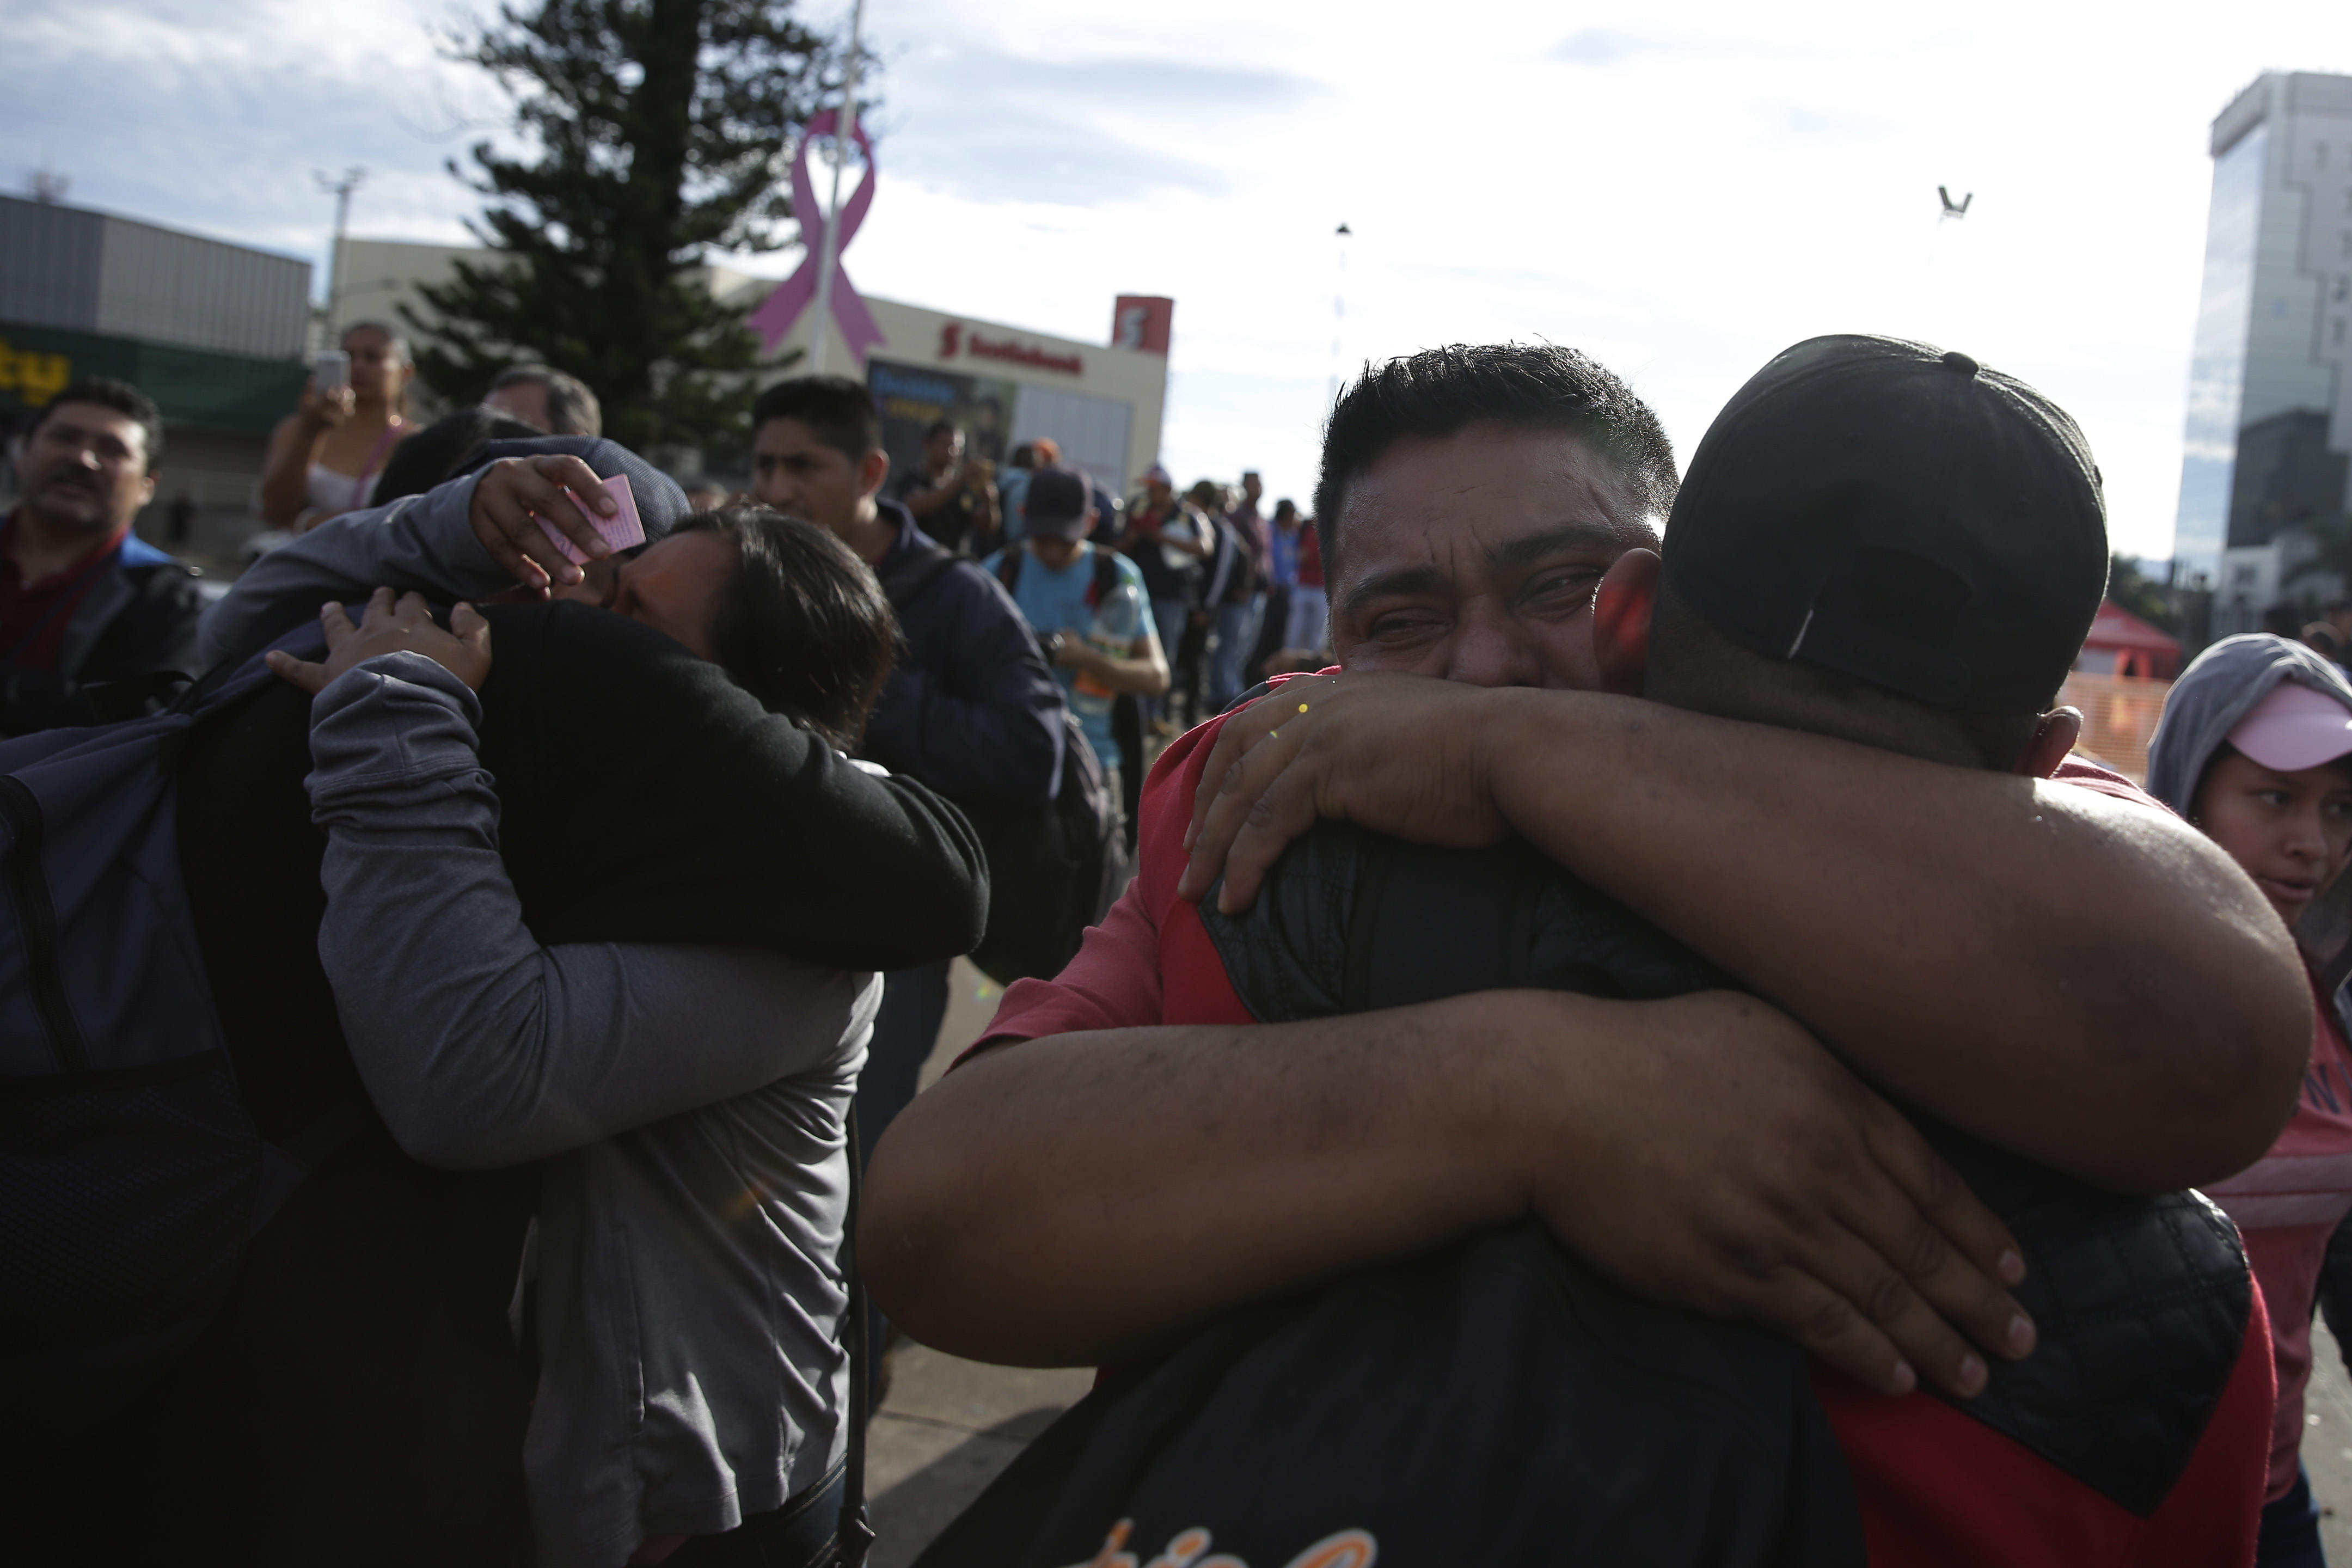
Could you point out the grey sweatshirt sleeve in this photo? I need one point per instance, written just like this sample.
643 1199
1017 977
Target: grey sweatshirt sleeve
426 543
478 1046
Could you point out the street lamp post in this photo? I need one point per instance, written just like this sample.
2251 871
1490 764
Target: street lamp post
342 190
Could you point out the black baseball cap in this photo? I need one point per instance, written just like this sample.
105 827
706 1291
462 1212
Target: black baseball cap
661 504
1058 503
1899 514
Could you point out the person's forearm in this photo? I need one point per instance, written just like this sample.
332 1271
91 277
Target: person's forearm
1081 1200
1136 677
1141 675
425 543
2082 981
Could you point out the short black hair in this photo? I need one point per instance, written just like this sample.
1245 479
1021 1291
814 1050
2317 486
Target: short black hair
1532 386
105 392
838 410
803 624
442 450
571 408
940 427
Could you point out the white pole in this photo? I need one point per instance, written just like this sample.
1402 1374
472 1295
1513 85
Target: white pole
1338 316
342 190
844 126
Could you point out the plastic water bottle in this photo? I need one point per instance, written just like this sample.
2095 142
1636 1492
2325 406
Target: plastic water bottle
1118 621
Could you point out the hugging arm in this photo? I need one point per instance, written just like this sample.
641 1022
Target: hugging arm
1090 1196
479 1047
2082 980
468 537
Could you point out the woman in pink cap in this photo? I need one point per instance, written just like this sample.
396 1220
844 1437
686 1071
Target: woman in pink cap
2255 749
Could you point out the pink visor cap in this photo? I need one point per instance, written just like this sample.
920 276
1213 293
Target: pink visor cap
2294 727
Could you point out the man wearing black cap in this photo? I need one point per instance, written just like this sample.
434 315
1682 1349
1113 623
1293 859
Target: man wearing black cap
2052 966
1087 606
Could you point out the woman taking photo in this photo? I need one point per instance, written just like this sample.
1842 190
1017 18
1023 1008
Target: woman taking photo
324 457
2255 749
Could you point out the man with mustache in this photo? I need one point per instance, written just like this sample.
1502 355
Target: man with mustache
82 601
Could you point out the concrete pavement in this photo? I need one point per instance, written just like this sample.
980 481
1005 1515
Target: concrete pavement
949 1426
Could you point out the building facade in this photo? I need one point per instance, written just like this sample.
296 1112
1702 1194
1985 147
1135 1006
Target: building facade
214 333
2266 472
1100 402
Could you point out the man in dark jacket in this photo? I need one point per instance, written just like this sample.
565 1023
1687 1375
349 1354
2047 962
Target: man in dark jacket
972 710
82 600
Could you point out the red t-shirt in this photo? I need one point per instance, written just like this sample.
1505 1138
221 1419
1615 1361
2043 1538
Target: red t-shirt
1937 1489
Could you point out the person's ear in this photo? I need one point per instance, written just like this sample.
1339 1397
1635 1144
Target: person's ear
1622 608
2053 738
871 469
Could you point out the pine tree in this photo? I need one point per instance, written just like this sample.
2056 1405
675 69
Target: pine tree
658 129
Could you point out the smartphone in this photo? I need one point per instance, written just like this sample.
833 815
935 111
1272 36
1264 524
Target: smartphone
333 370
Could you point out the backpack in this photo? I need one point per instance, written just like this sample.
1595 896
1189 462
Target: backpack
1053 870
131 1173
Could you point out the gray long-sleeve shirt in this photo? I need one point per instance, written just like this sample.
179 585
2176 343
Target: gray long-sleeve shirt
690 1295
423 541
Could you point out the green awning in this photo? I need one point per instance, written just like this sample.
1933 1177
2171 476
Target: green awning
194 387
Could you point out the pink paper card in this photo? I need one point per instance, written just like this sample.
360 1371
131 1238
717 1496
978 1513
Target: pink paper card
622 530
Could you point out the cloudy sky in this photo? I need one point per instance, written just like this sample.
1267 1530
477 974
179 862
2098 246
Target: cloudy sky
1681 188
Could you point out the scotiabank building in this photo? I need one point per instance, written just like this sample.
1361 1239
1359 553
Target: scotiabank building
1100 402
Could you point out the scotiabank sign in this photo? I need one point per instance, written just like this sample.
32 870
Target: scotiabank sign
955 339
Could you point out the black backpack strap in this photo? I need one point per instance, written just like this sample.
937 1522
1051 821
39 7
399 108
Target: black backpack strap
1106 581
1008 569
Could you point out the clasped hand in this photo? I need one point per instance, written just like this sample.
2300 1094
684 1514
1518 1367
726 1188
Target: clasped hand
1401 754
1707 1152
407 626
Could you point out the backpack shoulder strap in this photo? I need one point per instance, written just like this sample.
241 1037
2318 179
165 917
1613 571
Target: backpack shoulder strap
1008 571
1106 581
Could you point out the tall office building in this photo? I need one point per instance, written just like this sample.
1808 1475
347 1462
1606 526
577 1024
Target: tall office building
2269 440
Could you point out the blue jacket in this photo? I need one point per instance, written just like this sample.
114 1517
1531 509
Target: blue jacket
972 710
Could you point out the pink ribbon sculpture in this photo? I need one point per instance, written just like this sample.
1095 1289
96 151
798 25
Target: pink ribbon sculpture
777 313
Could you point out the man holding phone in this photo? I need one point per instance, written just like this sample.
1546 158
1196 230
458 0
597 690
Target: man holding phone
83 600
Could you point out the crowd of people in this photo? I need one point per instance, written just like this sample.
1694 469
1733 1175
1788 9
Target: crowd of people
1559 1008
